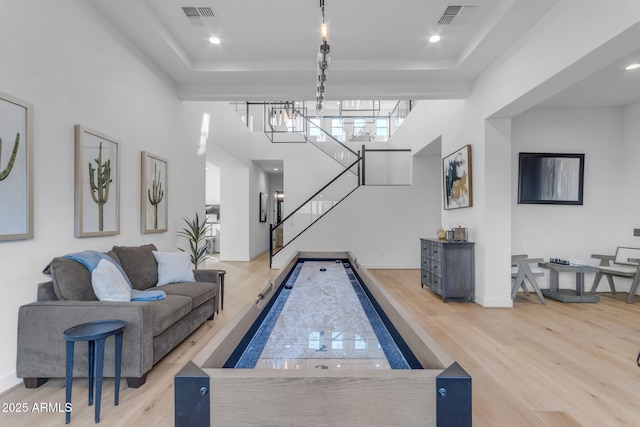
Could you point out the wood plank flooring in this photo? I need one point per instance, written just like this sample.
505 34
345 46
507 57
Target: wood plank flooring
533 365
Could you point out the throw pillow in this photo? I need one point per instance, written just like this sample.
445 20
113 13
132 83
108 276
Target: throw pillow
173 267
109 284
139 265
71 280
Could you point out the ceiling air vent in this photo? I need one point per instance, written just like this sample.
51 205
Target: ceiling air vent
457 15
198 16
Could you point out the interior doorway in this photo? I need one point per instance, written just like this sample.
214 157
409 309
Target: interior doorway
213 209
278 205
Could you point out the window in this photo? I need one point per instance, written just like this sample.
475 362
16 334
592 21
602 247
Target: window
314 129
382 126
337 129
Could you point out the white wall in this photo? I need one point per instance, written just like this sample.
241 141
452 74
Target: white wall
63 58
630 202
258 183
381 226
212 185
567 231
235 208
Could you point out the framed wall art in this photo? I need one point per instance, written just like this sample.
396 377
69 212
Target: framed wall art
264 199
16 169
97 184
153 197
550 178
456 171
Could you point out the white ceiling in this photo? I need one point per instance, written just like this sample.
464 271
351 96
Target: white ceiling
379 49
611 86
271 167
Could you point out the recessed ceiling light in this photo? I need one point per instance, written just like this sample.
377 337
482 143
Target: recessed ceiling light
214 40
633 66
276 169
434 39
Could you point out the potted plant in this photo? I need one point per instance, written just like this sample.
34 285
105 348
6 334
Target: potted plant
196 232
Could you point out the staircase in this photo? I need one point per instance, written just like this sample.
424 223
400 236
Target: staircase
288 122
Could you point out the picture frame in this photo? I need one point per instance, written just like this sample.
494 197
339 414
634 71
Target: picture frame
16 169
153 195
456 179
97 183
550 178
264 199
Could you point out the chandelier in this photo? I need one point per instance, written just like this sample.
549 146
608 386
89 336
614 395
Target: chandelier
323 61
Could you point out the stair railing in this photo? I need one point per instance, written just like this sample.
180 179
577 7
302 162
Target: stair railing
399 113
314 208
329 145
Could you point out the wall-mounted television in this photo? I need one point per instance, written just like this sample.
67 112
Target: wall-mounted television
550 178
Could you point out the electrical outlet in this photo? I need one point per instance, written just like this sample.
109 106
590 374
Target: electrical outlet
636 231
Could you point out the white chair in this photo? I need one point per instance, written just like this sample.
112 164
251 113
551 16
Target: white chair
626 263
521 270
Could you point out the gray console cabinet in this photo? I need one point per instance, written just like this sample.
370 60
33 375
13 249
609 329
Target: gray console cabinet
448 268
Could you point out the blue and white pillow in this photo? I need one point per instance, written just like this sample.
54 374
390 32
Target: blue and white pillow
109 284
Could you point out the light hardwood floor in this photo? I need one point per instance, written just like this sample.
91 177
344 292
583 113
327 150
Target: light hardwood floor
533 365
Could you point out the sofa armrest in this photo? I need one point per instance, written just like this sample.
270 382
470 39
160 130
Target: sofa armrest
209 275
46 292
214 276
42 349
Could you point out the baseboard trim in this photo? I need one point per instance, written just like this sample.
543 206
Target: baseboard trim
9 382
493 302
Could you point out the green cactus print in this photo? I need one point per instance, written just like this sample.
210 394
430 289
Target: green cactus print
5 173
100 185
155 194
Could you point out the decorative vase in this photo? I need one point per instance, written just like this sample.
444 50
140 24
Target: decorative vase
442 234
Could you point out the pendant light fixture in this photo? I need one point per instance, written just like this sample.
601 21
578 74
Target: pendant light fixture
323 61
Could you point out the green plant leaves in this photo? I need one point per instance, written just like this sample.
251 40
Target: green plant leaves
196 232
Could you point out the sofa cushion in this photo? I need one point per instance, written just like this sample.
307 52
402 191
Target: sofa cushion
139 264
71 280
173 267
199 292
168 311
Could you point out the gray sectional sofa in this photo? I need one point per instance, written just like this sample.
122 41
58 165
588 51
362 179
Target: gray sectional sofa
153 328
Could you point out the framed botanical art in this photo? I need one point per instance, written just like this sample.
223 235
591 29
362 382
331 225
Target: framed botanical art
550 178
263 207
153 197
456 171
97 184
16 169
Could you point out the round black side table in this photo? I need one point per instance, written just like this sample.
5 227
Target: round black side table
95 333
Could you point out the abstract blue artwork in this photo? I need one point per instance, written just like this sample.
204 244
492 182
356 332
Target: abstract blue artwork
456 170
550 178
